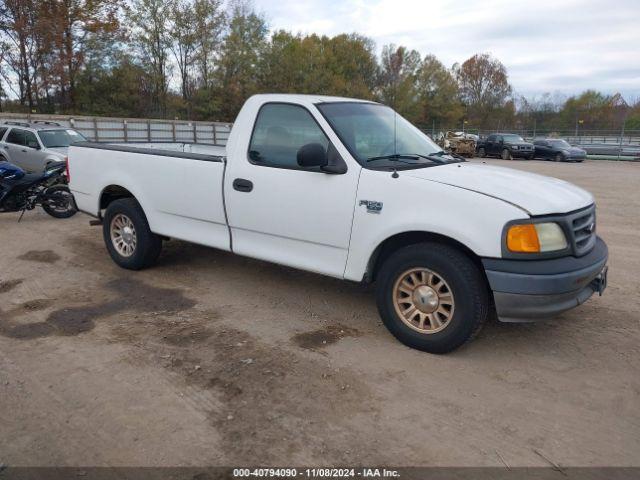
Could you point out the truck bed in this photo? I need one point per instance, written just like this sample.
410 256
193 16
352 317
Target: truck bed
178 185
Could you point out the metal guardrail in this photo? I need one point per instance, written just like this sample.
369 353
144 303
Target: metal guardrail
113 129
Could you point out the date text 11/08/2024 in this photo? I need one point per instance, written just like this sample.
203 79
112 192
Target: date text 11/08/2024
315 473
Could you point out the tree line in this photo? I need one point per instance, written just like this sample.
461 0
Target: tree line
200 60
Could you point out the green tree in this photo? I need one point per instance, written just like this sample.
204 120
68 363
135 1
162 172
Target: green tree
590 109
241 54
125 90
398 78
438 95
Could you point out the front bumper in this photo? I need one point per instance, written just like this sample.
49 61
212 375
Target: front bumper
526 290
521 153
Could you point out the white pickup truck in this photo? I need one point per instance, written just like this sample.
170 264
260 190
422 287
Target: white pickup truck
350 189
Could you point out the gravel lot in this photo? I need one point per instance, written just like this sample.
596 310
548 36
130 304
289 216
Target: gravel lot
214 359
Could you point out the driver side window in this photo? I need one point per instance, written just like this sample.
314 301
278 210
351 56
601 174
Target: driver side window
279 132
30 140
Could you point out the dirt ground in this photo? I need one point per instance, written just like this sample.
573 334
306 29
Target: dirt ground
214 359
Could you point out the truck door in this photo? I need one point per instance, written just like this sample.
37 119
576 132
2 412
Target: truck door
280 211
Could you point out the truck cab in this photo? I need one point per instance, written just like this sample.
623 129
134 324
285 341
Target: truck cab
348 188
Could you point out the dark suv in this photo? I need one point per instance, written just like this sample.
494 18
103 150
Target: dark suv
506 146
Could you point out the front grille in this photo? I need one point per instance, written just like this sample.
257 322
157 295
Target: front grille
582 228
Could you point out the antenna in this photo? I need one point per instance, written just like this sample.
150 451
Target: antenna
395 132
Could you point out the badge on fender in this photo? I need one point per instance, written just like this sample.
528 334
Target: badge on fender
372 207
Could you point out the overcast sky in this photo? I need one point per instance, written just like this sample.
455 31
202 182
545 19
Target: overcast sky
557 46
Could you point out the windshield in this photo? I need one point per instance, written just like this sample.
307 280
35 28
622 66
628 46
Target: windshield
560 144
378 137
512 138
60 138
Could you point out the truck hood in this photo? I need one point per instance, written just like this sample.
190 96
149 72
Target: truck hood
536 194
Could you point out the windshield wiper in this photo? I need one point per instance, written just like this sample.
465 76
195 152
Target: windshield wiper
409 156
394 158
413 156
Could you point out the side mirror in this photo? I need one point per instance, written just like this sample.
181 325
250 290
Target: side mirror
312 155
33 145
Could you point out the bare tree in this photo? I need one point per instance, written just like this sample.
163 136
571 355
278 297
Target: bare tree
484 86
149 23
209 26
17 26
183 42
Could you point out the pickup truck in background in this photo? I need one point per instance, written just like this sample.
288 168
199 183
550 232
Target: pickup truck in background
506 146
350 189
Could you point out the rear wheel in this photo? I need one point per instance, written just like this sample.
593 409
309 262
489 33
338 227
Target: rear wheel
126 233
506 154
432 297
59 202
482 152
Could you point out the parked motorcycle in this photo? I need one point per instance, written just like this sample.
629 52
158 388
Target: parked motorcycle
21 191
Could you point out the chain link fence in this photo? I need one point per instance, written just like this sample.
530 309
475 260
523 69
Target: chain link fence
607 142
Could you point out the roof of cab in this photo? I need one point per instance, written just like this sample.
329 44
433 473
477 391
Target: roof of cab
300 98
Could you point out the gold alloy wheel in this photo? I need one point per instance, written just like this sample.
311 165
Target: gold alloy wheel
423 300
123 235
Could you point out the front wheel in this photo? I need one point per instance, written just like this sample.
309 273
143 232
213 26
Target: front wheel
559 157
127 235
59 202
482 152
432 297
506 154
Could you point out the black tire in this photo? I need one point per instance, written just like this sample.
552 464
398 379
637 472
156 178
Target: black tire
55 209
530 157
468 288
559 157
506 154
147 246
482 153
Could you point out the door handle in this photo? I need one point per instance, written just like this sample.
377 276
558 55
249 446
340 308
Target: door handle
242 185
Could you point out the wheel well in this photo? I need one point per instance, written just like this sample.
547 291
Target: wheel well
111 193
400 240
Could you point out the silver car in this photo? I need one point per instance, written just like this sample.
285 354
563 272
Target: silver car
33 146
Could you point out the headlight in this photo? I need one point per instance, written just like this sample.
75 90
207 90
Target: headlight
536 238
515 147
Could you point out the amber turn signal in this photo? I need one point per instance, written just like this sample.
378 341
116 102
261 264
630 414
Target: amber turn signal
523 238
